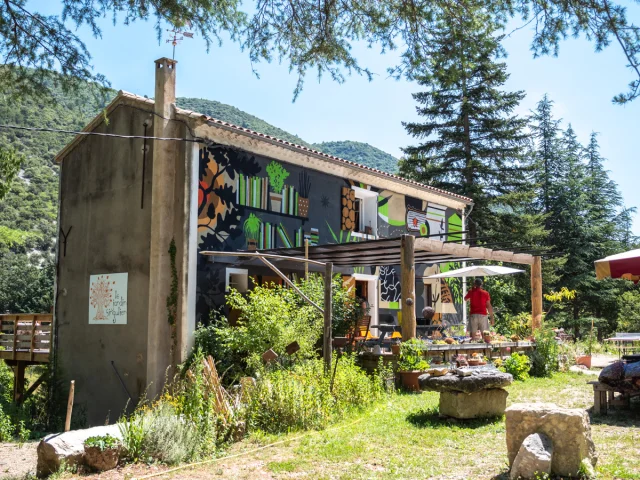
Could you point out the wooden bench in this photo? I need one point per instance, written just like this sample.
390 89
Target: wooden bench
604 397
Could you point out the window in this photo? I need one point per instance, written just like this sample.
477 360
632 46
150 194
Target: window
366 211
237 278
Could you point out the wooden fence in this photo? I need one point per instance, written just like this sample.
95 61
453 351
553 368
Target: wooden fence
26 337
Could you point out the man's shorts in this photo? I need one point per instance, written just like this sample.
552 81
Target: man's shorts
478 322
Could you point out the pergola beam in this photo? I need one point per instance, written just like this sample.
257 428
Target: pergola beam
408 287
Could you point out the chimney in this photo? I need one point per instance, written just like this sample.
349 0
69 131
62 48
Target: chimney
165 94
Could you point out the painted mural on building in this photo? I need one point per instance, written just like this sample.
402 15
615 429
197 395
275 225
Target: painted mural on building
250 202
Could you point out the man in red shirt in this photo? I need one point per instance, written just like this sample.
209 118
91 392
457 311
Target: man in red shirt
480 301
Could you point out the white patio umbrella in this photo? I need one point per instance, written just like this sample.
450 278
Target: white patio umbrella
477 271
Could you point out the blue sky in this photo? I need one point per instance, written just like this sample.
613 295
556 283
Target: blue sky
580 81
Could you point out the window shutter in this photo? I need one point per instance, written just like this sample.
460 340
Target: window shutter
348 209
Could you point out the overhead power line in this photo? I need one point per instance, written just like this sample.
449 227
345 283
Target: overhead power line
99 134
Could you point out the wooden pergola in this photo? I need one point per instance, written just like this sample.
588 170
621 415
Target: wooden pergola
407 251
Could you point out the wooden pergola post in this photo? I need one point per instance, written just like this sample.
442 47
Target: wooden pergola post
536 293
408 287
326 346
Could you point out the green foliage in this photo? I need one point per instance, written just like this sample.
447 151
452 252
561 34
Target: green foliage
26 283
172 298
167 437
301 398
305 35
412 356
269 318
517 365
272 317
544 359
103 442
10 162
629 311
184 423
134 430
361 153
519 325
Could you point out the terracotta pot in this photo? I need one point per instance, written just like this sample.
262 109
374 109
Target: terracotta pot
410 380
449 340
395 349
101 460
252 245
584 360
473 363
487 338
276 201
303 207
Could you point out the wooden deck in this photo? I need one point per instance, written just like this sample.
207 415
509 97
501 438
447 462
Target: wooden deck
25 337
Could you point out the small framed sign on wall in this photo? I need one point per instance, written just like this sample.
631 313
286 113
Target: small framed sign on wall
108 299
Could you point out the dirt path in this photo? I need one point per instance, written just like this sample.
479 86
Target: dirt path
17 461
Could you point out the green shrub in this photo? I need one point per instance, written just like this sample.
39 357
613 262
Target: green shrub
103 442
185 422
170 438
544 359
272 318
412 356
517 365
301 398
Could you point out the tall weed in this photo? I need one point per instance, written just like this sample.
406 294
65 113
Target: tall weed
301 398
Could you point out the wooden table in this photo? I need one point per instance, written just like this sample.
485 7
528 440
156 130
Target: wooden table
604 397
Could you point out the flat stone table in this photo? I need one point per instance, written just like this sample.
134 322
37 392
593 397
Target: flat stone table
470 393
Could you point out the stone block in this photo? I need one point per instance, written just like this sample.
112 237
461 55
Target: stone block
485 403
568 428
534 458
467 382
68 447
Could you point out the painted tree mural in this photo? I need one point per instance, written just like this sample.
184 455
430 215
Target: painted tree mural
101 296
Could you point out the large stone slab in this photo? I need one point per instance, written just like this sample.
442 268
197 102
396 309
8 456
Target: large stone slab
485 403
568 428
478 380
533 459
68 447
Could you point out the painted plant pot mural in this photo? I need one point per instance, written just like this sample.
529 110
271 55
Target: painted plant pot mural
251 229
303 199
277 176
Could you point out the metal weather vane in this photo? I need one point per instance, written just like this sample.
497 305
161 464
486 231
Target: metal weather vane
177 35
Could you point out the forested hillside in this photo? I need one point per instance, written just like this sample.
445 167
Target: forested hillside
360 153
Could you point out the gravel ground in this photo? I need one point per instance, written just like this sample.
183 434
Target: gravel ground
17 461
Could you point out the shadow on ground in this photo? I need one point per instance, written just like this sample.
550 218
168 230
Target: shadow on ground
430 418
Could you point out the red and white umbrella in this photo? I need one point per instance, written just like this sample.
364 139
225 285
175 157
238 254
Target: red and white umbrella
622 265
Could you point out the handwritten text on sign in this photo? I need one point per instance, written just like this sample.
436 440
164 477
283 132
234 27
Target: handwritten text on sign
108 299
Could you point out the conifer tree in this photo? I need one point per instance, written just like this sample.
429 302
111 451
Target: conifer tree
550 169
471 143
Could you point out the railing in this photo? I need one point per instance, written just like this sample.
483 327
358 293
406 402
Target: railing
26 337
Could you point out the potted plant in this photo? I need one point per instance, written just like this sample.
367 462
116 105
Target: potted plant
395 348
411 363
303 194
277 176
486 336
102 453
585 357
251 227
